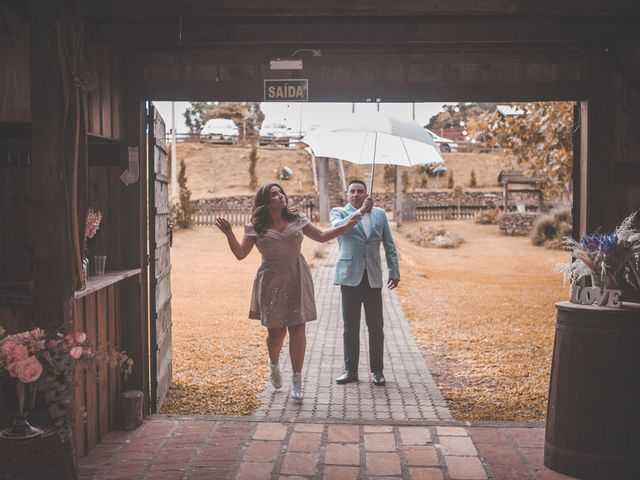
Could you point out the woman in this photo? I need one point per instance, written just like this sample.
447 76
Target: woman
282 297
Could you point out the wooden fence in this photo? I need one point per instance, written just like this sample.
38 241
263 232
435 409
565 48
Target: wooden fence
239 216
448 212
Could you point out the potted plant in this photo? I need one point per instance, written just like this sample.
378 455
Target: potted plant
592 415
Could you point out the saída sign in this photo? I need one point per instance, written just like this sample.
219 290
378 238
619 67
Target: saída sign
286 90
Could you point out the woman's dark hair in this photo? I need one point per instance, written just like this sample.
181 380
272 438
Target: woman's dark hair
260 217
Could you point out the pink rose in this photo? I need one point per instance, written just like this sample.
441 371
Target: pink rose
6 350
28 371
20 352
80 337
75 352
68 338
88 352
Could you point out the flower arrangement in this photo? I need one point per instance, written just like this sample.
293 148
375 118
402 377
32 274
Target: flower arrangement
92 223
606 260
44 362
91 226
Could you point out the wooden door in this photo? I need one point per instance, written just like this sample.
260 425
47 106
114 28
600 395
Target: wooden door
160 262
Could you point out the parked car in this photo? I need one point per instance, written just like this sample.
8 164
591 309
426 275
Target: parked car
445 144
219 130
274 133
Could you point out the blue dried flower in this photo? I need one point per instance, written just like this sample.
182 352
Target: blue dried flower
609 243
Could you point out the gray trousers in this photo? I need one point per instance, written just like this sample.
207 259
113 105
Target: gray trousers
352 300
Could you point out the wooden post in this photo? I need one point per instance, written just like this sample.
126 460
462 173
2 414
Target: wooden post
601 150
324 189
397 198
506 197
50 219
131 409
134 316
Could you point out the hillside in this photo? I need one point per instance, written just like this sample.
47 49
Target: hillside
223 170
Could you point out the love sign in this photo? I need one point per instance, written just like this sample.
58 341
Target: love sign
602 297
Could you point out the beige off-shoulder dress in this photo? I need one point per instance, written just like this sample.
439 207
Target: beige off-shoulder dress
283 288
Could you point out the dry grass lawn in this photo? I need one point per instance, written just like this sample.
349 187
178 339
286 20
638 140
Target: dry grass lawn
219 355
485 316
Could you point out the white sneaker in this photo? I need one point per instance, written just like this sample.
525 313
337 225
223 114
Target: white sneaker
296 388
274 375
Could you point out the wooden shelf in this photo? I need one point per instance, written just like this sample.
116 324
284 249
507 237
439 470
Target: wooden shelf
95 283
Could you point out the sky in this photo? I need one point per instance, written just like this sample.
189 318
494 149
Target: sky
302 115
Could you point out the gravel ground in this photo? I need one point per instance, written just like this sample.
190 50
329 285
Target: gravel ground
484 315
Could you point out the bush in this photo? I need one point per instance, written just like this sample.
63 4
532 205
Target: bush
489 217
450 181
549 229
253 160
473 182
434 237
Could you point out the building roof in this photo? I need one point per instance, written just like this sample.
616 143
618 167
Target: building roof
515 176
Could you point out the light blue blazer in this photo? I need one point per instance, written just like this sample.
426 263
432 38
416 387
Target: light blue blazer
358 252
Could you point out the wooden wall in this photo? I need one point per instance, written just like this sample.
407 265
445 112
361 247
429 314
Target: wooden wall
15 70
104 100
97 392
104 195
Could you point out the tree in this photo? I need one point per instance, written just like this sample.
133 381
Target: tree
253 160
248 114
461 112
540 139
406 183
389 177
472 179
450 181
185 208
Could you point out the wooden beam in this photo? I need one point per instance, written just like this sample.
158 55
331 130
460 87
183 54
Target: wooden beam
354 91
273 8
363 31
134 291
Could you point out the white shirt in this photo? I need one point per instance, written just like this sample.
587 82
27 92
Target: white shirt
366 224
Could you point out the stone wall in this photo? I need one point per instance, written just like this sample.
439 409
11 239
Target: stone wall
245 202
517 223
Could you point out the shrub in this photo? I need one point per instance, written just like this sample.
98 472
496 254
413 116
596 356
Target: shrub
434 237
253 160
389 177
489 217
550 228
473 182
405 180
450 181
182 211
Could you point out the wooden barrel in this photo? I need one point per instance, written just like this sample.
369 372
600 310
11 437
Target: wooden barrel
593 415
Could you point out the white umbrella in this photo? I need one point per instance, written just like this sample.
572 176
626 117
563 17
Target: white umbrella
375 138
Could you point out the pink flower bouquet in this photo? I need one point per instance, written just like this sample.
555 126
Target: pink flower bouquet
43 363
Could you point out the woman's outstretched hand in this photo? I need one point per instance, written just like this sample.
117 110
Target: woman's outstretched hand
224 225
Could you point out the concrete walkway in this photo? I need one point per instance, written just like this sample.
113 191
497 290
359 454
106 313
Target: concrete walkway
355 431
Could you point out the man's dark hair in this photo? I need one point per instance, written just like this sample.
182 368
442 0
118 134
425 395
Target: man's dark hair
357 181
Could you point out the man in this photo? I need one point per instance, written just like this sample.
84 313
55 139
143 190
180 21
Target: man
359 274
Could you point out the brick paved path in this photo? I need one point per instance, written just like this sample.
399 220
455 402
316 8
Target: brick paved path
410 392
356 431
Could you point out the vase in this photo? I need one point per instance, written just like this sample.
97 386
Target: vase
20 428
85 265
